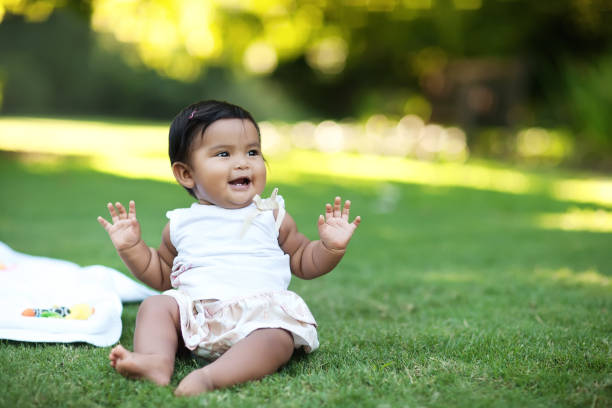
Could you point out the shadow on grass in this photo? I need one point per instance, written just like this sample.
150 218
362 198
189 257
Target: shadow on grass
410 233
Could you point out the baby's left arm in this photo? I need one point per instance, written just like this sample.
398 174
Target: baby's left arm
311 259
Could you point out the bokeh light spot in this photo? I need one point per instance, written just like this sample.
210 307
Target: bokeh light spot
328 55
260 58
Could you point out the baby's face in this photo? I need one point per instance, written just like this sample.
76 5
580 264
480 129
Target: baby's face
226 164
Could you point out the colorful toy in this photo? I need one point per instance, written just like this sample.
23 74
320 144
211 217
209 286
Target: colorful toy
81 311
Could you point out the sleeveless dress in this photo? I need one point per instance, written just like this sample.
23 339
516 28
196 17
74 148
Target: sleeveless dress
230 277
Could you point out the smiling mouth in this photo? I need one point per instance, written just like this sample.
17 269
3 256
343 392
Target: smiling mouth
242 181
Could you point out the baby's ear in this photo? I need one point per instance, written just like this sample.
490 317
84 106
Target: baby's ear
182 174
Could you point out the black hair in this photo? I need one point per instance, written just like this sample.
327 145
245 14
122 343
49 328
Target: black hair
194 120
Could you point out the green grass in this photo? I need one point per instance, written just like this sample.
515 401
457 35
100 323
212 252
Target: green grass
450 297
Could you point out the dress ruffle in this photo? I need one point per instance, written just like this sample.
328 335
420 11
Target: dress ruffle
211 327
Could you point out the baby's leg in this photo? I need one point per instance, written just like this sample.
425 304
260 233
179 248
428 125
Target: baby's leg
261 353
155 342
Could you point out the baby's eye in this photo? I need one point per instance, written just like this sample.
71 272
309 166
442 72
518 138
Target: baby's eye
253 152
222 154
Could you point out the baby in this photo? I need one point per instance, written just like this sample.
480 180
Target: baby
224 263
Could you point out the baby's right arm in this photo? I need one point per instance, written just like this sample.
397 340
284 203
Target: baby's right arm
151 266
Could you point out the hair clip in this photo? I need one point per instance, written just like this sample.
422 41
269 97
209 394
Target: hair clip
192 114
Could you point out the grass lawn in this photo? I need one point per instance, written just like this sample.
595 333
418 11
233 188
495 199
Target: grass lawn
450 295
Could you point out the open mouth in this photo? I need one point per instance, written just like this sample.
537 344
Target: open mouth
241 181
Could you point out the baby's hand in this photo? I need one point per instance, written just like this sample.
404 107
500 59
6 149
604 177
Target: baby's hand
335 230
124 231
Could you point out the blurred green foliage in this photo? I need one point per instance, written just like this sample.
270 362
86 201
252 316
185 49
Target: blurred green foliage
481 65
590 101
60 67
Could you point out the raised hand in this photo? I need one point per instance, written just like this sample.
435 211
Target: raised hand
124 231
335 230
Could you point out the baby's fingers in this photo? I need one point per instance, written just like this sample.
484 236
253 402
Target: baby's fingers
112 212
122 211
105 224
321 220
337 211
329 211
333 211
132 210
346 210
356 221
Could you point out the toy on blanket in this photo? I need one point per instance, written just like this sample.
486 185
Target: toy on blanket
81 311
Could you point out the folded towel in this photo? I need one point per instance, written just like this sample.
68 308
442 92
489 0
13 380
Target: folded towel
30 282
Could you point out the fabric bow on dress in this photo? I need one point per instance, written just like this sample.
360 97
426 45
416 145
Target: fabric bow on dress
261 205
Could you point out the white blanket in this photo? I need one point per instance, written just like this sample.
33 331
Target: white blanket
38 282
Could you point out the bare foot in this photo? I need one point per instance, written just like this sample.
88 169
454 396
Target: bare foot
196 382
153 367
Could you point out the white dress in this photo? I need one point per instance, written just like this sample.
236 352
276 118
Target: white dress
230 277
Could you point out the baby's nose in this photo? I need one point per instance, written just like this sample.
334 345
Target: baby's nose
241 163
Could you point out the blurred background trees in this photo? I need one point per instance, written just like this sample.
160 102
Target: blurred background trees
521 78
